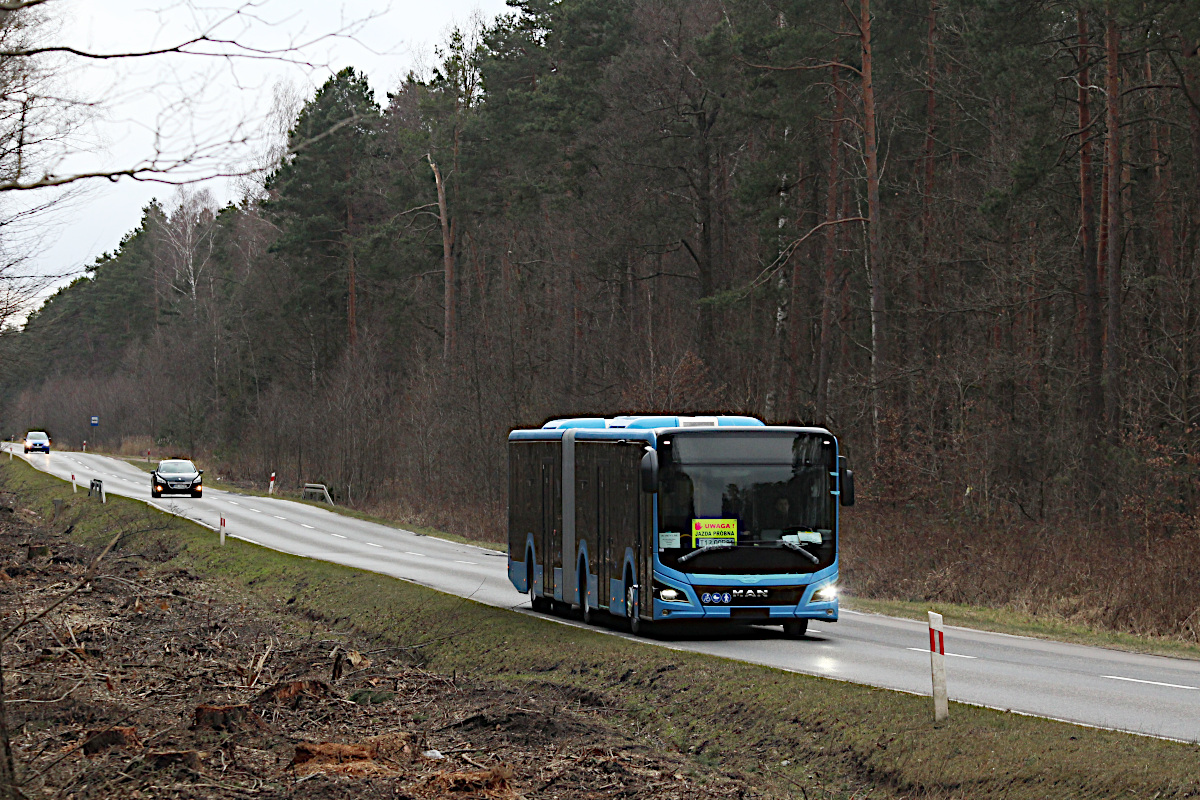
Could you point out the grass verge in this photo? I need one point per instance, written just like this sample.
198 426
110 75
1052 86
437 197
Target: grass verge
797 735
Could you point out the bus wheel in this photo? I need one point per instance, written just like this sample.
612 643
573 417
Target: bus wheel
636 626
585 607
795 628
535 602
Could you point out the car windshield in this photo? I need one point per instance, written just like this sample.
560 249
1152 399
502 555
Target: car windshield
746 503
37 437
176 467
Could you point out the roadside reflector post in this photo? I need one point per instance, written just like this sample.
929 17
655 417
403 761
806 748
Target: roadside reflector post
74 485
937 664
222 531
271 488
147 456
85 445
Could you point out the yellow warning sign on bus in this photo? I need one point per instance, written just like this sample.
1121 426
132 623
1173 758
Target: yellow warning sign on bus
708 532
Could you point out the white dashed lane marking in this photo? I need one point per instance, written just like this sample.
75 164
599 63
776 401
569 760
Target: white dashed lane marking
338 535
1152 683
948 655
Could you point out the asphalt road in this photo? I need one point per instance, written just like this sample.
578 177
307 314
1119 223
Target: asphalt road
1092 686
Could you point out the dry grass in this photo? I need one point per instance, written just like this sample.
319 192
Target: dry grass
1144 584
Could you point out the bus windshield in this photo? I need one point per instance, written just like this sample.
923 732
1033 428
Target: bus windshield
746 503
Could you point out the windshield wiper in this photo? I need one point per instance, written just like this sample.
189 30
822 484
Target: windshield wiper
731 546
799 548
710 548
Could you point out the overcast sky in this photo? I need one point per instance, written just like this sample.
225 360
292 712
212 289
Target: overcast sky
174 104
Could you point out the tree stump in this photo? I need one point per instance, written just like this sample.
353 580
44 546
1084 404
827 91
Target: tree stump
36 551
97 741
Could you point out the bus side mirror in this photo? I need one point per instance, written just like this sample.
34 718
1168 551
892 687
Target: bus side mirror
845 482
650 472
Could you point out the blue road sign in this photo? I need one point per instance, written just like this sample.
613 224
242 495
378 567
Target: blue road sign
95 421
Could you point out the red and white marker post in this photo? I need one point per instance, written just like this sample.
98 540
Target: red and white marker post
74 485
222 531
271 488
937 665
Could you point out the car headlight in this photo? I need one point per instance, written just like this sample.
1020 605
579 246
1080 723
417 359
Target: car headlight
825 594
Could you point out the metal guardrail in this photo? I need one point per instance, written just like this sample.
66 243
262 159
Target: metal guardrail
317 491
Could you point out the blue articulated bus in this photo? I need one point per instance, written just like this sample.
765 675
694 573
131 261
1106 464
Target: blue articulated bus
656 518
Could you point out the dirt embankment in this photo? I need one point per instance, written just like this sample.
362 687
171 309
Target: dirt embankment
151 682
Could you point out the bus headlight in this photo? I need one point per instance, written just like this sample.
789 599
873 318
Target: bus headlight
825 594
669 595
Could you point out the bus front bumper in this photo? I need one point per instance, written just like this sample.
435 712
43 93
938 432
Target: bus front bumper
730 603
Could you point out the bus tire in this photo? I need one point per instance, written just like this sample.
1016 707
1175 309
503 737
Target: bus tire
636 626
536 602
795 628
585 606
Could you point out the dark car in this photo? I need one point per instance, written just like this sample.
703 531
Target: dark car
37 441
176 476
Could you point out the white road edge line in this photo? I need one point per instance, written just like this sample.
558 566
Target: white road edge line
1152 683
948 655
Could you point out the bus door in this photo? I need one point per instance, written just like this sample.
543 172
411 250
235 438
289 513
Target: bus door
542 547
602 558
644 547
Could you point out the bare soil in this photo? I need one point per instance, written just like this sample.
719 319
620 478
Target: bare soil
146 681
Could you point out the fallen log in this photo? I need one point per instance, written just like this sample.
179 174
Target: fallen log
293 691
226 718
169 759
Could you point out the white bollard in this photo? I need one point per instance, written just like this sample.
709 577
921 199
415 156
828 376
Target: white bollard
74 485
222 531
937 664
271 489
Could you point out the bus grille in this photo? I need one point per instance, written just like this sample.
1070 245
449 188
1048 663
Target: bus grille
752 595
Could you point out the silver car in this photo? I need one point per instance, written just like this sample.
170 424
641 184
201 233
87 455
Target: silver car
37 441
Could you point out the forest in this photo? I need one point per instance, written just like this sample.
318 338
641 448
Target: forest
964 235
